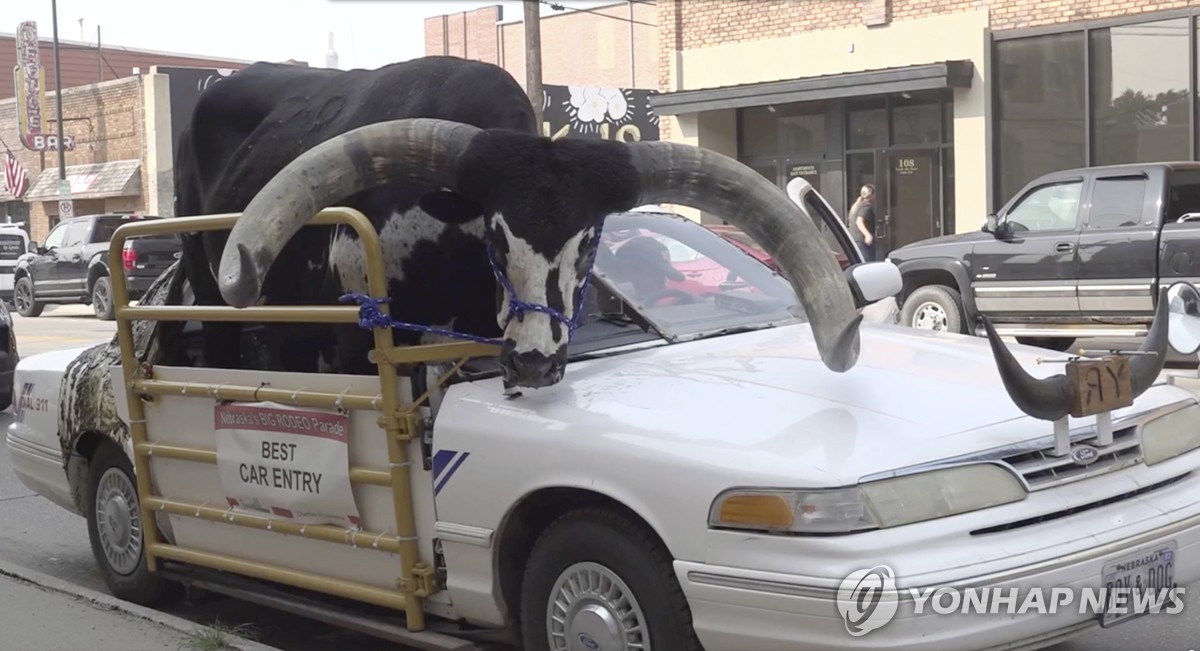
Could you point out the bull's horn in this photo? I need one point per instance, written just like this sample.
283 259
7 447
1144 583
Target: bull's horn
1144 368
708 181
1047 399
1051 398
419 150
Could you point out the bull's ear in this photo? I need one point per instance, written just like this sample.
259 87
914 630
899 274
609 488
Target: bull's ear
450 207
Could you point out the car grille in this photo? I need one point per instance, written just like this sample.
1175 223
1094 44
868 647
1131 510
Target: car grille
1041 469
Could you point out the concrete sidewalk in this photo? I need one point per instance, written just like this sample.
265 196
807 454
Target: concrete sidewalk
41 613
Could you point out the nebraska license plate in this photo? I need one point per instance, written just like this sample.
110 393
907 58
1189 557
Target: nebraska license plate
1138 584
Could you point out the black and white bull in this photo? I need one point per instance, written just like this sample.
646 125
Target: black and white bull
543 204
442 155
246 128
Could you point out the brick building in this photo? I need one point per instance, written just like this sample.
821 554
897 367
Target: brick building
122 128
84 63
599 66
949 107
614 45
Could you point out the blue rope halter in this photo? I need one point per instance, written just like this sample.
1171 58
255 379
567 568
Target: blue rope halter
370 317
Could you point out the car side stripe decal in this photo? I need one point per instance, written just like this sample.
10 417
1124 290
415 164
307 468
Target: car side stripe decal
442 478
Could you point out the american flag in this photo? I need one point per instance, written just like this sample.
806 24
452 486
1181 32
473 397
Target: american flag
16 180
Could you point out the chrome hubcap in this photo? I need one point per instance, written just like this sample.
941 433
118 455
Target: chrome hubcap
929 316
118 523
591 609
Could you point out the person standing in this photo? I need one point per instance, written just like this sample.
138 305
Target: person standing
862 222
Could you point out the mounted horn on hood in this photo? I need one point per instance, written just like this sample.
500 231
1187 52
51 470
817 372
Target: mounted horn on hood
1056 397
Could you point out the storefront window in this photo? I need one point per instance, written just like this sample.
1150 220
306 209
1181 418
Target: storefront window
1140 106
1040 84
917 119
802 127
867 124
758 132
785 129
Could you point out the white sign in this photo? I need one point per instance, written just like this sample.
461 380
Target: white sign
292 463
66 209
50 142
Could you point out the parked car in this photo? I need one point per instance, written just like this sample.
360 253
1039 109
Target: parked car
14 243
8 356
699 479
747 244
71 265
1075 253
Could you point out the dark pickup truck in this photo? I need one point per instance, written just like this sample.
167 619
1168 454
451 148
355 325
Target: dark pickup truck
71 265
1076 253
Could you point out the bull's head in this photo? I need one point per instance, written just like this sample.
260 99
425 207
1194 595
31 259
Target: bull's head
544 203
1051 398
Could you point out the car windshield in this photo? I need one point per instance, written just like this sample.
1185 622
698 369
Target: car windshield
662 276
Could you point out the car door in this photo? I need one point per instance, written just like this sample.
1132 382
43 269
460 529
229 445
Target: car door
72 267
44 266
1118 246
1029 273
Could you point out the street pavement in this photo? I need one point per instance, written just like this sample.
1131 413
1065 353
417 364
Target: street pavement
45 538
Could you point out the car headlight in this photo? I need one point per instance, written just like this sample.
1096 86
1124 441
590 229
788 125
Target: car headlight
880 504
1171 435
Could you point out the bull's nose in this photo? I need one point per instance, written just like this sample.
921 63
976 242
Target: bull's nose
530 369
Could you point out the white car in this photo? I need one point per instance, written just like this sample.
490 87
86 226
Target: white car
700 478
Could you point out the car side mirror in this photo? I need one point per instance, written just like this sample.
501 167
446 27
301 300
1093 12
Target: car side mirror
32 247
1183 329
874 281
997 228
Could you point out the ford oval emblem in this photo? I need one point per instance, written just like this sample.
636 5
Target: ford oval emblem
1084 454
587 641
178 254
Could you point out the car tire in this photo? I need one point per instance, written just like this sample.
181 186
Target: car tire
102 298
1059 344
934 307
114 528
617 556
23 298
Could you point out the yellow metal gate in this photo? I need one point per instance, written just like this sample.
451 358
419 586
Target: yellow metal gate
400 423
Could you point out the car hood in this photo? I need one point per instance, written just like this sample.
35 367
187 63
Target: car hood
763 400
959 239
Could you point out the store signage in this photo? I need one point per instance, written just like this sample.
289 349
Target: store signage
598 112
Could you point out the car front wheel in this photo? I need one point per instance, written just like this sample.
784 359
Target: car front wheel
23 298
598 579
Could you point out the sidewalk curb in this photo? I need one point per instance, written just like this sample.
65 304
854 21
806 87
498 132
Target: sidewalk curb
108 602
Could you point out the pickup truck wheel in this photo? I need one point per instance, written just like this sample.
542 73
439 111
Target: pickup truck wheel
23 298
933 307
115 530
597 579
102 303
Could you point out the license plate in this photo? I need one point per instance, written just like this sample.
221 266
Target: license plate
1150 572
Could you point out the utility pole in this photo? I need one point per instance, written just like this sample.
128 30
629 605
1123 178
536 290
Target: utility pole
65 208
533 57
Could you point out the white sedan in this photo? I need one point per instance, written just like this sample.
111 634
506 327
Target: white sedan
701 480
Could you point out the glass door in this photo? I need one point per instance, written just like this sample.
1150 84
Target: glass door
912 200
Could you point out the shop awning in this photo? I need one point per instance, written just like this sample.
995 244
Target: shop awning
933 76
120 178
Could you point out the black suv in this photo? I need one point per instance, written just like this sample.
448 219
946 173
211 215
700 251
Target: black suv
71 265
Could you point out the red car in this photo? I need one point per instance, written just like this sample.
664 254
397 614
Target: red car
743 242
